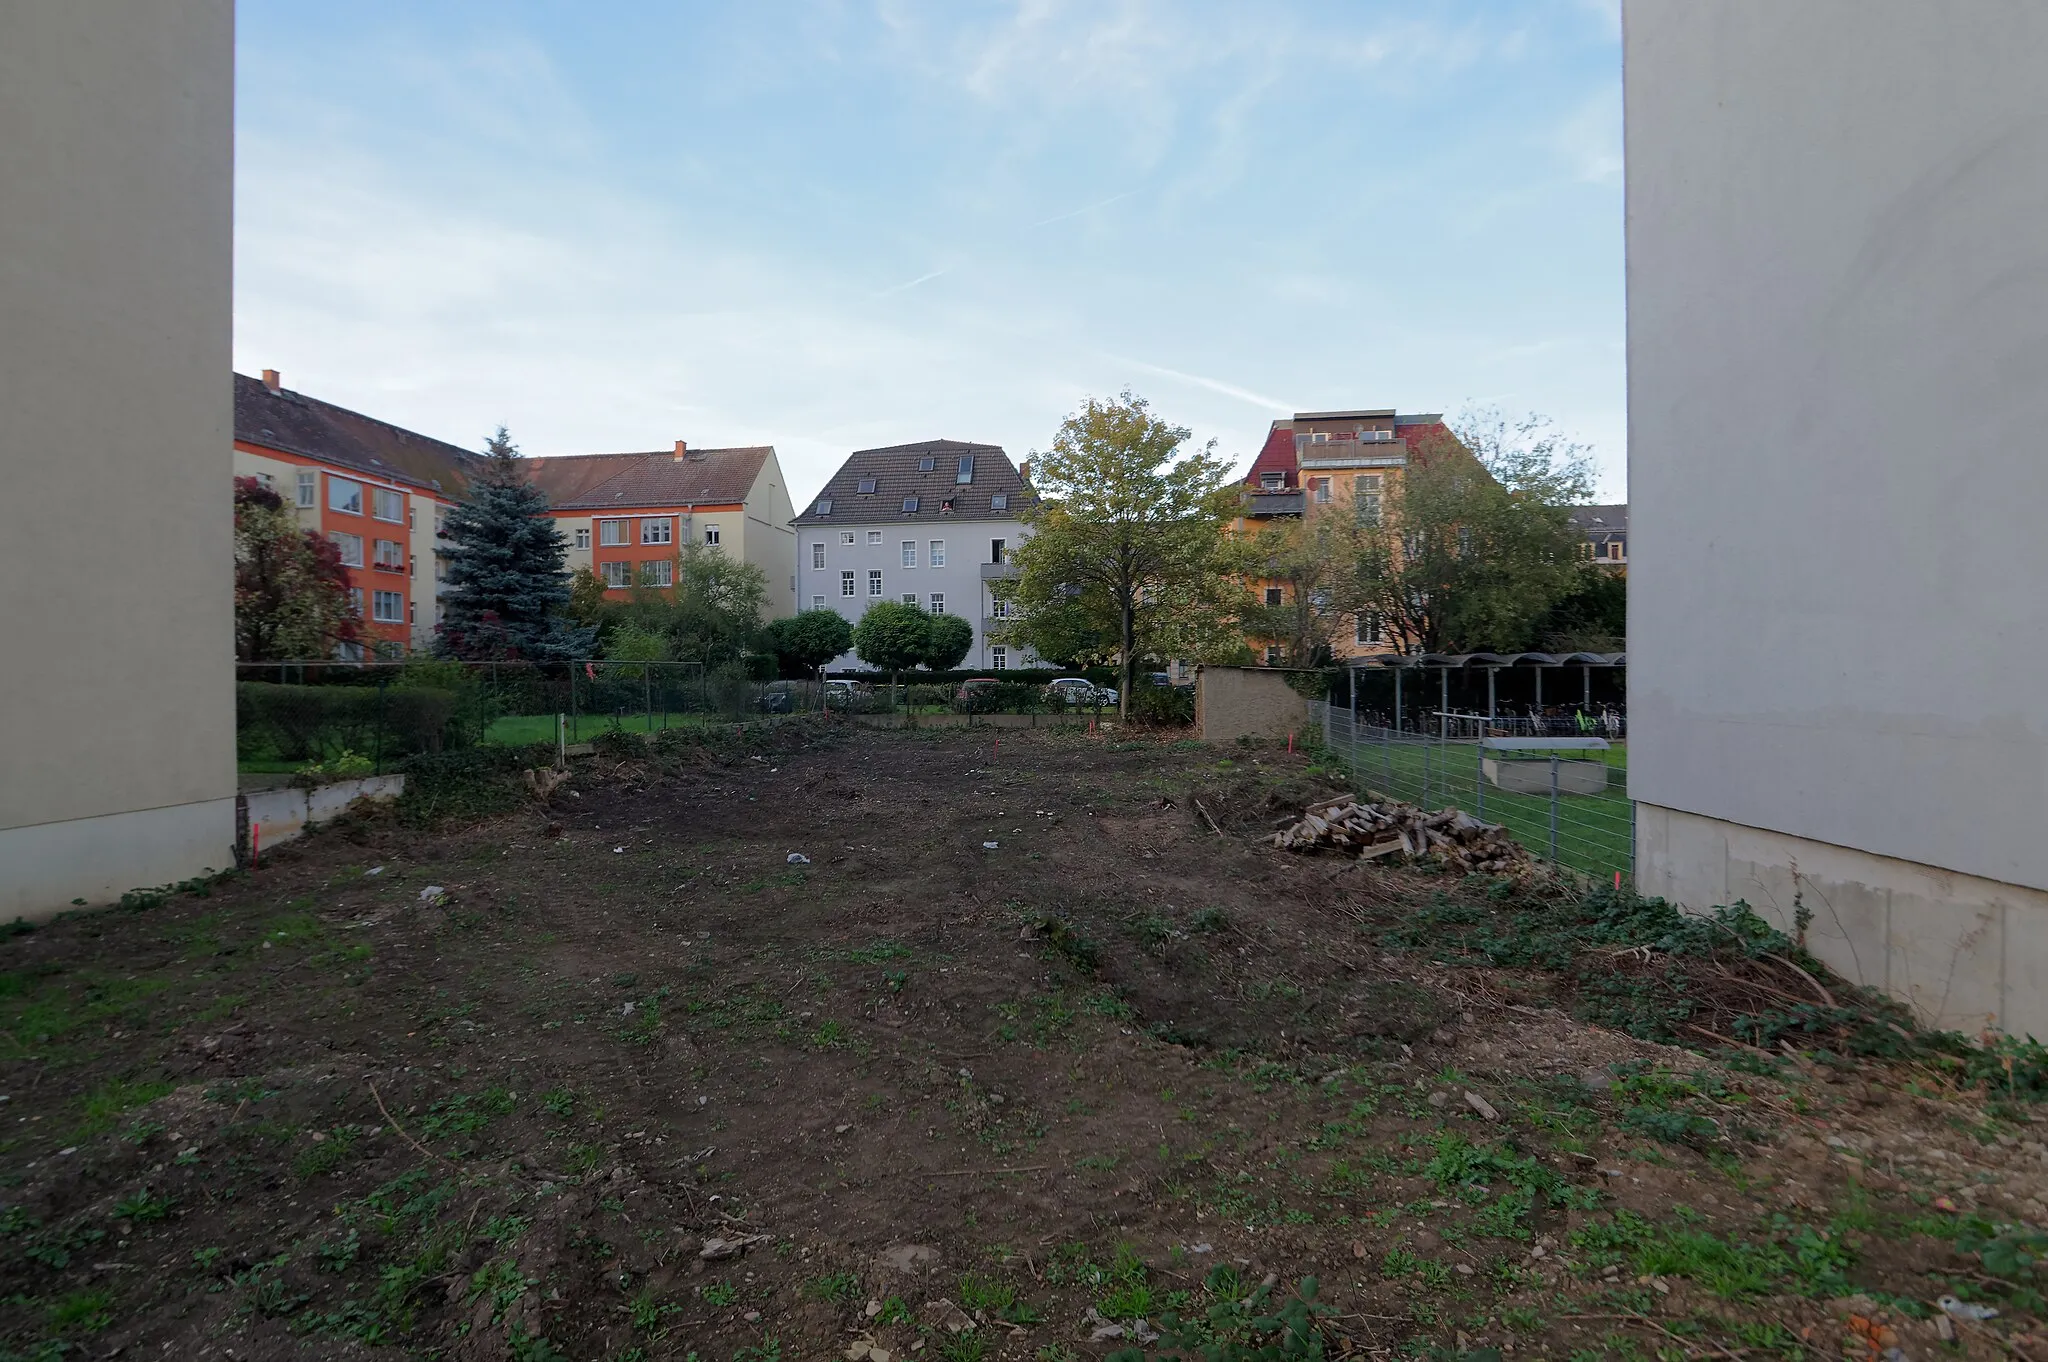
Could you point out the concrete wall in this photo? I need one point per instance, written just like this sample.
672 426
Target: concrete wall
1837 628
1239 702
279 815
115 530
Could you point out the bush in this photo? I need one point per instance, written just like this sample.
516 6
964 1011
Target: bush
311 723
474 783
1007 697
1163 705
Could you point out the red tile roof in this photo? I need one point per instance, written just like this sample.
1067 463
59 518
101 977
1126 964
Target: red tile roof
297 424
602 482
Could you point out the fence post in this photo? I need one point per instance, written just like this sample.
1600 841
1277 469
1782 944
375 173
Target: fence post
573 733
1387 756
1425 770
1553 808
1479 780
647 697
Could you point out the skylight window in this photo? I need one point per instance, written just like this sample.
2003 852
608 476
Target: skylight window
910 503
966 474
927 464
999 502
867 487
824 506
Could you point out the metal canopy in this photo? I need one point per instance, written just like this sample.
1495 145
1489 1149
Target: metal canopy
1450 660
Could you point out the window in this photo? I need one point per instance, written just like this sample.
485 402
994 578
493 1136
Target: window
1369 627
874 581
351 546
818 555
1272 482
910 503
1319 438
866 487
1273 595
998 550
846 536
927 464
1368 508
355 601
946 506
616 573
966 473
938 554
999 657
910 553
1464 541
390 553
387 607
824 506
817 602
846 582
1320 489
267 481
583 537
659 530
348 652
938 602
1365 484
711 534
910 598
1617 549
343 495
386 504
308 481
440 522
611 532
999 502
659 572
1272 655
874 536
412 518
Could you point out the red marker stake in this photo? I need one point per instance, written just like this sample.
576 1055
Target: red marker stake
255 845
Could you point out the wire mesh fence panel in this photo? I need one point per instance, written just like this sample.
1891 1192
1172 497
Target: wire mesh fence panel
1564 805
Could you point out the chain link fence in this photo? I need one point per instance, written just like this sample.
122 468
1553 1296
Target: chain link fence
1563 797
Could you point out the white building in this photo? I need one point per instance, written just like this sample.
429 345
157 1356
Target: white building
1838 388
930 523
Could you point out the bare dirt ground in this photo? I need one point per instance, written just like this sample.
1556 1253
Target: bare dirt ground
1026 1057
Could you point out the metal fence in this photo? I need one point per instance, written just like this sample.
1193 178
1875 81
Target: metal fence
1565 798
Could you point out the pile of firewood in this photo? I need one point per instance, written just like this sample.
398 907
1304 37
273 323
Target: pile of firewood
1369 831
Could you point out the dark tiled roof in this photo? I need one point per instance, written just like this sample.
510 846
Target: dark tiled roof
603 482
1602 519
898 474
297 424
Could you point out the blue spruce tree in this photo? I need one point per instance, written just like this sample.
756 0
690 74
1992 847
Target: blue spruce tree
507 592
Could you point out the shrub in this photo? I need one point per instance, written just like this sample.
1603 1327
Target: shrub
308 723
1163 705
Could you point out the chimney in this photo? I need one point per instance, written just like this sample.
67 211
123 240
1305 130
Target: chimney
271 382
1024 470
682 450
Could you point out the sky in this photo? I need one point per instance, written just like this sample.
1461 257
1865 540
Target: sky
828 225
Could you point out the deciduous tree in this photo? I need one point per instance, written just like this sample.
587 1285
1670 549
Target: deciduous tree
806 641
892 636
291 590
948 638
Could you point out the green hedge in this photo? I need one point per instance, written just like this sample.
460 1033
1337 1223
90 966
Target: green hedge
310 723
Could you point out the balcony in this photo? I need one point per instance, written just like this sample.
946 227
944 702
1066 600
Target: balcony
998 572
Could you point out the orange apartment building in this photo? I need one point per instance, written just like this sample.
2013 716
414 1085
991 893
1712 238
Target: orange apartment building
381 493
1319 462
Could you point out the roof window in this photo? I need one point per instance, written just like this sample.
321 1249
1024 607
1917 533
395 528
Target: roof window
824 506
867 487
927 464
910 503
999 502
946 506
966 474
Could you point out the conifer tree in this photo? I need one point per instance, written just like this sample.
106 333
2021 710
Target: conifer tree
507 592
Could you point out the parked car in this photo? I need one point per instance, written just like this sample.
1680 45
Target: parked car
779 697
1155 679
973 684
849 697
1079 692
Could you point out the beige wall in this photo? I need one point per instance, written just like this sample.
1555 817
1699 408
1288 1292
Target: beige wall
770 538
1236 702
115 387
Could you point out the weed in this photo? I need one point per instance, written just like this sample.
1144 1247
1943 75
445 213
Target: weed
721 1294
339 1255
82 1311
331 1149
559 1102
834 1288
1209 921
895 1311
647 1311
767 1350
143 1207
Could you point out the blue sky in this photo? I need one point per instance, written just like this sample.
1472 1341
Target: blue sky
835 224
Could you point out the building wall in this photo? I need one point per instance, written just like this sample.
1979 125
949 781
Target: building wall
1835 283
1246 702
968 548
769 540
115 384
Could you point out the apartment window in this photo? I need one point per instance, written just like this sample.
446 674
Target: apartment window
1320 489
1367 505
387 607
909 504
910 553
711 534
440 522
387 505
611 532
866 487
874 581
846 536
874 536
998 550
344 495
351 546
1272 656
355 601
390 553
999 658
846 582
412 518
938 554
348 652
966 473
824 506
927 464
1617 549
910 598
1319 438
617 572
1272 482
1273 595
1368 627
938 602
817 602
583 537
659 530
308 482
999 502
818 554
658 572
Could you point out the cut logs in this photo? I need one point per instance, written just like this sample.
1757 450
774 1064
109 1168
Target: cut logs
1402 832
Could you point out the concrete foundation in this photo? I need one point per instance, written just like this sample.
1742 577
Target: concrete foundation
278 815
1965 953
47 868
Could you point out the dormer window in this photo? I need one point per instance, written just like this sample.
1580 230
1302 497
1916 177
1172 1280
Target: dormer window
910 503
867 487
927 464
966 474
824 506
1272 482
